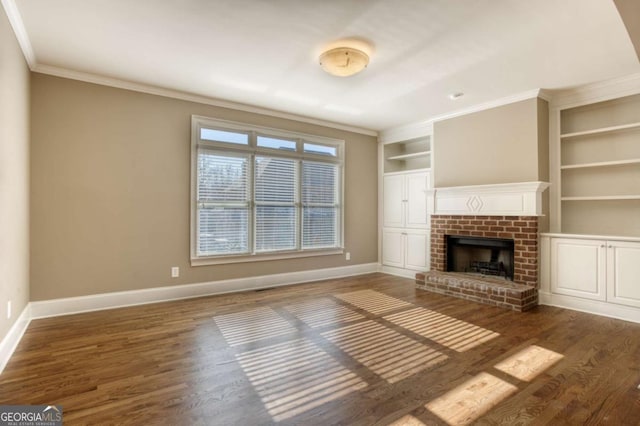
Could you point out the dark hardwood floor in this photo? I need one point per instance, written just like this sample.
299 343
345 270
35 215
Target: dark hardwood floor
363 350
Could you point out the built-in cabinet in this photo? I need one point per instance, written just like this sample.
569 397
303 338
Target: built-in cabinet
405 236
405 248
597 269
590 260
405 231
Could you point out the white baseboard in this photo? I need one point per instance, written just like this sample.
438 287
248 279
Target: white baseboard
11 340
95 302
400 272
611 310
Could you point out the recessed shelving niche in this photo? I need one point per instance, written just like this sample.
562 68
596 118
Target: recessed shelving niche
406 155
600 168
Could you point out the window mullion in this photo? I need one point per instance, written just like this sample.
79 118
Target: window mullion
252 200
299 203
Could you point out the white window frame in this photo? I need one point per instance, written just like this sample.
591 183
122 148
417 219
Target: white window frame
251 150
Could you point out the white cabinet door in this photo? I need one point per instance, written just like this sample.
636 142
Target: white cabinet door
393 248
623 273
416 204
578 268
417 251
393 201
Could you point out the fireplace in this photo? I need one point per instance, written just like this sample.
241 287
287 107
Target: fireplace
480 256
484 243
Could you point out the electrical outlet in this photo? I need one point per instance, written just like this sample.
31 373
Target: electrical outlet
175 272
347 256
9 309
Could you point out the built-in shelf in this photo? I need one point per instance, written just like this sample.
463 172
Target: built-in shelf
408 156
602 198
600 130
602 164
402 156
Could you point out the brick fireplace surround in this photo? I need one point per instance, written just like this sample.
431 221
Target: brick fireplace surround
519 295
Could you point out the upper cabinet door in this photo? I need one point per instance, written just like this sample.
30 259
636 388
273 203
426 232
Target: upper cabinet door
416 204
623 273
393 204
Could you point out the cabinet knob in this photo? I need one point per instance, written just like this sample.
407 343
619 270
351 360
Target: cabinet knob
602 246
610 246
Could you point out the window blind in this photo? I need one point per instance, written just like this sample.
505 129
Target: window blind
275 199
320 208
223 204
261 191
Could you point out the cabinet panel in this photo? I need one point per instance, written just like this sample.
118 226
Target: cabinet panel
416 204
578 268
623 273
392 248
393 204
417 251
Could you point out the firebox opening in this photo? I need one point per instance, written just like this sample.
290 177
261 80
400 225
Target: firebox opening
482 256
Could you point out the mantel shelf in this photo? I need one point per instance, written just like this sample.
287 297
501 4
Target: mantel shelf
408 156
602 198
600 130
602 164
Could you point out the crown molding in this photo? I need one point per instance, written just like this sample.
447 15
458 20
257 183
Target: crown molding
15 19
185 96
596 92
395 134
403 133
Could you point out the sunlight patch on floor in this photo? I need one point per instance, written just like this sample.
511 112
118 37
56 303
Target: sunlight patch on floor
387 353
443 329
321 312
407 420
373 301
252 325
296 376
470 400
529 362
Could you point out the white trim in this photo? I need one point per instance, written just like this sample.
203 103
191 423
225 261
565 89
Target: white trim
15 19
507 199
593 307
406 132
10 342
596 92
425 127
398 272
96 302
176 94
261 257
589 237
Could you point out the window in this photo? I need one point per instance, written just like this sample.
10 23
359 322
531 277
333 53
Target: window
261 193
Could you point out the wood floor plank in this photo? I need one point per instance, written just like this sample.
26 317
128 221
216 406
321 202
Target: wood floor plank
365 350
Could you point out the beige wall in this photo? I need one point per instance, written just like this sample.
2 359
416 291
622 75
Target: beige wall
543 159
499 145
110 191
14 177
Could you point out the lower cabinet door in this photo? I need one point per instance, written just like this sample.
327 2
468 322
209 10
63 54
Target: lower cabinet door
417 251
393 248
578 268
623 273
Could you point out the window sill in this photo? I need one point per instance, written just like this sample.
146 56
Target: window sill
221 260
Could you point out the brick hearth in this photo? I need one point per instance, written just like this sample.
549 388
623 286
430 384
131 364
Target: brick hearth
520 295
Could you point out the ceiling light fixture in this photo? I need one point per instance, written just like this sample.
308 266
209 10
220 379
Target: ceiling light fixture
343 61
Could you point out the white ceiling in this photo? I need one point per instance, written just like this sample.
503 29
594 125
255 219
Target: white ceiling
264 52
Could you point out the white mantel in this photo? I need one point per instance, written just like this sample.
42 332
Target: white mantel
507 199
